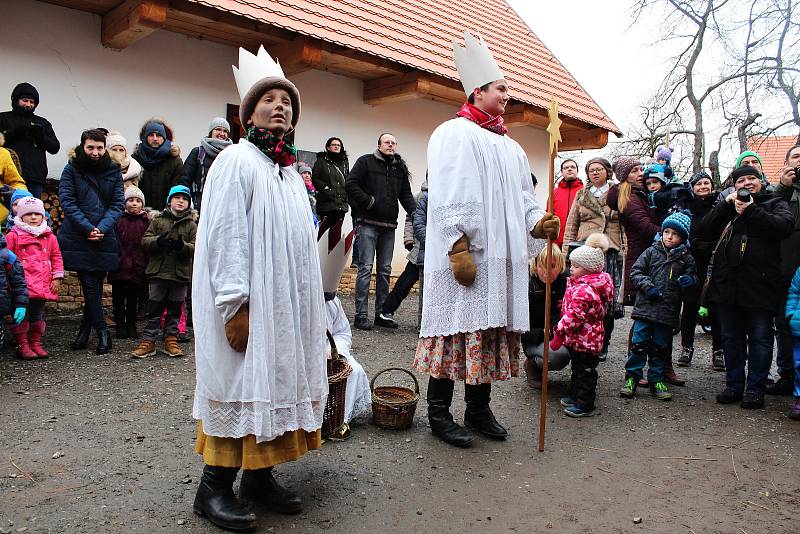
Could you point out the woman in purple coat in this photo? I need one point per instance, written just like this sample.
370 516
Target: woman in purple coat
638 220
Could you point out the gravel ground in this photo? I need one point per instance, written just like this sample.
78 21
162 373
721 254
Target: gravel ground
105 444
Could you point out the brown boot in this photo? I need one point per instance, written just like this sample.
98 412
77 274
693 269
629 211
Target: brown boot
171 347
146 348
669 372
534 374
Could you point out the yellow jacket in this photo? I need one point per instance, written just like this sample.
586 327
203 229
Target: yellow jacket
9 175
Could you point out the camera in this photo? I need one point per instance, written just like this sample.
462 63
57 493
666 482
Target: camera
796 175
743 195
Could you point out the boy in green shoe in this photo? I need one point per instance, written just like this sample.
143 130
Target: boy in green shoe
660 275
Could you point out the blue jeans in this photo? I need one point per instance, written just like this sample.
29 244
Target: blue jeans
747 336
92 286
376 243
649 344
797 367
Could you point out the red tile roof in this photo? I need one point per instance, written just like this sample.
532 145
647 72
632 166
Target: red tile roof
773 152
419 33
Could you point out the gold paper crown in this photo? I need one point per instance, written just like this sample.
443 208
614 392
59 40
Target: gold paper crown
475 64
253 68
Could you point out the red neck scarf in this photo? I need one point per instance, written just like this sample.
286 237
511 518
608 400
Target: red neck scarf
482 119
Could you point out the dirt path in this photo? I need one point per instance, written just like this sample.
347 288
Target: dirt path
104 444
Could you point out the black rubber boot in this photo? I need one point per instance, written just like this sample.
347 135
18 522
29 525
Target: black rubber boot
479 415
259 486
82 339
121 328
216 501
440 396
103 341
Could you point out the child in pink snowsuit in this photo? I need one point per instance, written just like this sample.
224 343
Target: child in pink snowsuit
37 249
589 291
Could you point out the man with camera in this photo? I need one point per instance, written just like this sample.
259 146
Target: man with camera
746 285
789 189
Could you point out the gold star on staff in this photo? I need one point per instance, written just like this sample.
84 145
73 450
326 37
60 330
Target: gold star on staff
554 128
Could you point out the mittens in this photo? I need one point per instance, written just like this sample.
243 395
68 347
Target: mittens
461 262
654 294
547 227
19 315
177 244
237 330
685 281
164 241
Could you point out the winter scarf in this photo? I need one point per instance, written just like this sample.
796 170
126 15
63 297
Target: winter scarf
43 228
150 157
89 165
275 148
213 146
482 119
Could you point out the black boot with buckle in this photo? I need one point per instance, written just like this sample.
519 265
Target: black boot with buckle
479 415
216 501
259 486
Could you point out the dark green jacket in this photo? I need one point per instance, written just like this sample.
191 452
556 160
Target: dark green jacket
171 264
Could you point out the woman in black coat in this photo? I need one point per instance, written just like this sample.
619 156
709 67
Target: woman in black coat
329 176
91 197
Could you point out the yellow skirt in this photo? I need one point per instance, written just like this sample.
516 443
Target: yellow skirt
247 454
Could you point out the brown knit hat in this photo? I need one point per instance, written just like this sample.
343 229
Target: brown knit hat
262 86
623 165
600 161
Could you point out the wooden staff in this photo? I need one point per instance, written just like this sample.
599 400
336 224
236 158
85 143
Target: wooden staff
555 136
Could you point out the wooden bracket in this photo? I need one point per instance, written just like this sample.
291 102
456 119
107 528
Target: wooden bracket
297 56
410 86
132 21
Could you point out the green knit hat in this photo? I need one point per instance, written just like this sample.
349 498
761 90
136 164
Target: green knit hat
745 154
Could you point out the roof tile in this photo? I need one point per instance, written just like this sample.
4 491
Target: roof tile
773 153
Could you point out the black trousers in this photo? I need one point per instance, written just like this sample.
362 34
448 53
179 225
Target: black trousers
583 383
125 296
401 288
689 324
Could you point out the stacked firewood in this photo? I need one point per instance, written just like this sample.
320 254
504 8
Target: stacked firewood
52 205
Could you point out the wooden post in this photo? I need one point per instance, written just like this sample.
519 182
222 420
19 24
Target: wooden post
555 136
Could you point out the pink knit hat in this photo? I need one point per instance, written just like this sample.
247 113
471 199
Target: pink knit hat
30 205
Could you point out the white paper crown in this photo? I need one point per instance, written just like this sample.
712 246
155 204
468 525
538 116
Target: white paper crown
334 254
254 68
475 64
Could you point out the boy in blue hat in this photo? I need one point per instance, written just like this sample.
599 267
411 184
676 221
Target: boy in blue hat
169 241
661 275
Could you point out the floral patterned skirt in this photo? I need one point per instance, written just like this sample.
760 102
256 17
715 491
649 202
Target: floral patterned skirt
473 357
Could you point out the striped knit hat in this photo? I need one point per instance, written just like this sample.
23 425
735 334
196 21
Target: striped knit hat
680 221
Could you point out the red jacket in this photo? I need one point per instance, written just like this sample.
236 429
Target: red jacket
563 197
582 312
40 258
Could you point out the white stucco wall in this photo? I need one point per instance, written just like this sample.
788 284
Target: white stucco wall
187 82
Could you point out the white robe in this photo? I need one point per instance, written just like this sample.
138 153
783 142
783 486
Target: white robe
256 243
358 396
479 185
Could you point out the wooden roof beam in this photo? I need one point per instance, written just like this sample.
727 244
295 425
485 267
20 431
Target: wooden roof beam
410 86
583 139
131 21
297 56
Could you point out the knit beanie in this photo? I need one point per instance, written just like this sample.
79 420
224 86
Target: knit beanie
664 153
623 165
154 127
680 221
696 177
18 194
744 170
30 205
600 161
218 122
656 170
745 154
592 254
134 192
303 168
115 139
179 190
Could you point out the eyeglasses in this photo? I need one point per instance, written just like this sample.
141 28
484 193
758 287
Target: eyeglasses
597 170
336 145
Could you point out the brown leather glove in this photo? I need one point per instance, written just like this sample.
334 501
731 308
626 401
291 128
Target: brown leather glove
237 330
461 262
547 227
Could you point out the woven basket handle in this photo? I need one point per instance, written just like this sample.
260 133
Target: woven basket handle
406 371
334 350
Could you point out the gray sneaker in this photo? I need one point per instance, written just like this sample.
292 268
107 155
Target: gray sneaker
718 360
685 359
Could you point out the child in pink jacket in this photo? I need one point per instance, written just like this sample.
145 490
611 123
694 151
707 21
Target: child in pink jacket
37 249
580 329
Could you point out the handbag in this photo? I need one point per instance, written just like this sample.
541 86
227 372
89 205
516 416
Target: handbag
710 269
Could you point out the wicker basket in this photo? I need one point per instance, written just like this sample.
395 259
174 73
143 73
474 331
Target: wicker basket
338 371
393 407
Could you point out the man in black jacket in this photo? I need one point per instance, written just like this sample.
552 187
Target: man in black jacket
746 283
29 135
375 184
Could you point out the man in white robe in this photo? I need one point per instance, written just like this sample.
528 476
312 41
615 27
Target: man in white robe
259 312
482 221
